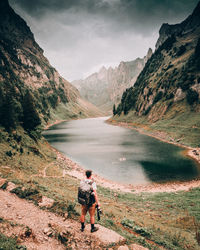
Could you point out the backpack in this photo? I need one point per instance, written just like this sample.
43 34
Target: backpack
85 193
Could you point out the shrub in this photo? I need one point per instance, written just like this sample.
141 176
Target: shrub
169 96
158 97
71 209
24 194
167 45
185 85
192 96
147 110
9 153
181 50
114 110
31 117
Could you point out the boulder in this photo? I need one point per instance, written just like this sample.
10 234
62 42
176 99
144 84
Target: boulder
10 186
180 95
46 202
48 231
107 236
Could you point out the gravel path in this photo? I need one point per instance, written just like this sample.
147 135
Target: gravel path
42 223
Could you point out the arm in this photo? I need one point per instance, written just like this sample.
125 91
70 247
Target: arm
96 197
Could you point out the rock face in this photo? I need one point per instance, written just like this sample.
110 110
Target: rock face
30 88
191 23
169 83
105 87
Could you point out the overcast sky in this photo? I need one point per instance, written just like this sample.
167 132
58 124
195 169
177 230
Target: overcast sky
80 36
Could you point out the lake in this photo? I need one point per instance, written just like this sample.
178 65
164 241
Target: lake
120 154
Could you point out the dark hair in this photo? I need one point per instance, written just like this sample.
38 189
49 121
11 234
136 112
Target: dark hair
88 173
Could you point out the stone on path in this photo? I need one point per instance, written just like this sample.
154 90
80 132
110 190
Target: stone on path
107 236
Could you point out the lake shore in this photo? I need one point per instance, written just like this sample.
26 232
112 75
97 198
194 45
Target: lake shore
75 170
193 153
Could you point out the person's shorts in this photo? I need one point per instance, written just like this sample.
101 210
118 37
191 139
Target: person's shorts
91 209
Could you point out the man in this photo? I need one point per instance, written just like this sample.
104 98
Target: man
90 208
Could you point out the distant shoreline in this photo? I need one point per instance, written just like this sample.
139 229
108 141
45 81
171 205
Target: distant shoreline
190 152
78 172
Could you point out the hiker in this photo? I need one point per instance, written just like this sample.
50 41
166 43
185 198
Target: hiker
91 204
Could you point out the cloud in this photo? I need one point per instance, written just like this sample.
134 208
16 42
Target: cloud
79 35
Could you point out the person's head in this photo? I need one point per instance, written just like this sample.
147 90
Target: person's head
88 173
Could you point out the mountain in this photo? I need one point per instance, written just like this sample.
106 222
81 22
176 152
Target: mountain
167 91
31 90
105 88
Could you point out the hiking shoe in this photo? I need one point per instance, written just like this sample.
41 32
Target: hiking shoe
82 229
94 229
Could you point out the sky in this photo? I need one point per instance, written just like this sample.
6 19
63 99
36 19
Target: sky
80 36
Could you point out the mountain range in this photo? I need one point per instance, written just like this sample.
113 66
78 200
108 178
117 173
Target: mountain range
105 87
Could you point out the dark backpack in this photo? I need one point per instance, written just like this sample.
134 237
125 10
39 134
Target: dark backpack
85 193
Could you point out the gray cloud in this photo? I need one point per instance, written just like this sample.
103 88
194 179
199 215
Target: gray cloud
79 36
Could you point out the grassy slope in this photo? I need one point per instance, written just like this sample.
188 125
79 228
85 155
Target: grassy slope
150 219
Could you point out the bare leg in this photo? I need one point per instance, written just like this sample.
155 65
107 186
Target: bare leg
82 218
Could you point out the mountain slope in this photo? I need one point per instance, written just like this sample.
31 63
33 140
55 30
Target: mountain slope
104 88
31 90
168 88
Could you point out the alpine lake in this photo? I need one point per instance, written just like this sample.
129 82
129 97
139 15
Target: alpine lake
120 154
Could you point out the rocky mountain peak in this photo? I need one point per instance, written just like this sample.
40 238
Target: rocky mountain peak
149 54
14 28
189 24
106 87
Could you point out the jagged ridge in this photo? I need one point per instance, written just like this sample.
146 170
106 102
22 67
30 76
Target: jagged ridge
105 88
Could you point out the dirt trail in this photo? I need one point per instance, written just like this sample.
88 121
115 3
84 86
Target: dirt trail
42 222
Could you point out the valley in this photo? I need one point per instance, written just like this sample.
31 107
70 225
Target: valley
51 130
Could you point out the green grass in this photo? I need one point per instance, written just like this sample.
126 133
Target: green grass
8 243
183 127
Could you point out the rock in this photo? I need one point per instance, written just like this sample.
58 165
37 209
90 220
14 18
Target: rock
64 236
66 215
123 248
2 182
180 95
10 186
48 231
46 202
108 236
137 247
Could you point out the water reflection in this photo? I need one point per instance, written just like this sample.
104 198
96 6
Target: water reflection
120 154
